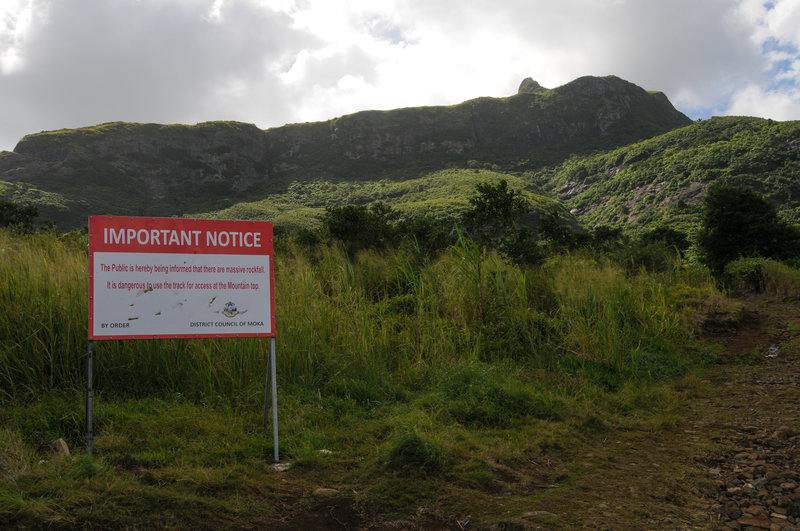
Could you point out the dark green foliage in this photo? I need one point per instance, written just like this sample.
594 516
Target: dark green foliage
747 274
427 234
739 222
12 214
523 248
494 213
308 238
653 257
359 227
493 221
378 227
668 236
655 250
412 454
607 239
559 235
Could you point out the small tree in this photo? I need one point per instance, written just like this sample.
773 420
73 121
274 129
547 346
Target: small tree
668 236
492 221
739 222
560 237
494 213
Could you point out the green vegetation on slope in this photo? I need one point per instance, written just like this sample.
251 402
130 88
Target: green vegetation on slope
443 195
665 178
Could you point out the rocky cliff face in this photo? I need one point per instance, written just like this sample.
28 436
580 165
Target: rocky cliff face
150 169
534 127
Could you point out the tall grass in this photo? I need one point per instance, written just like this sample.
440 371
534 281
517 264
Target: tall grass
363 329
762 275
43 298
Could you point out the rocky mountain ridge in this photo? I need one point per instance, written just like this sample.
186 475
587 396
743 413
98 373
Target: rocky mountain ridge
152 169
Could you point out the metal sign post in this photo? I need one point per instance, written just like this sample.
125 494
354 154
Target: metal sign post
89 405
271 382
272 371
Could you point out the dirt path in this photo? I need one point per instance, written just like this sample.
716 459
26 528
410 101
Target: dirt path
731 460
757 478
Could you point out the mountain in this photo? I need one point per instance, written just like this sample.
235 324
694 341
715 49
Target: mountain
664 179
162 170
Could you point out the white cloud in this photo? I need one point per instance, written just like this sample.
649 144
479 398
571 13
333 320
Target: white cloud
14 24
755 101
68 63
93 61
783 21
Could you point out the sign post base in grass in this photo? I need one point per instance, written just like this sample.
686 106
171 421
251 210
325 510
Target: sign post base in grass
89 397
272 383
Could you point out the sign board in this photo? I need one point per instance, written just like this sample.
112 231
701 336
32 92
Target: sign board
170 277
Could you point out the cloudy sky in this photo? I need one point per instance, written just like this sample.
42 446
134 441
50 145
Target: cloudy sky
72 63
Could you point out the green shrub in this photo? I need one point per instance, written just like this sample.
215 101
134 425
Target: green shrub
494 213
746 274
762 275
14 215
412 454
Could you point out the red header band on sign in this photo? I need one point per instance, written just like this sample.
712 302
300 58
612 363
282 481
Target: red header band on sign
174 235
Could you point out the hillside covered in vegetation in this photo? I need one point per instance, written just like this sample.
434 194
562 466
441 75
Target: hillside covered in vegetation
665 178
166 170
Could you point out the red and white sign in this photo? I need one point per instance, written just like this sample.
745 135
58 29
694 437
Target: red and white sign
170 277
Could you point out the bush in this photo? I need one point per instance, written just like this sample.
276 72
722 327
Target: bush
746 274
523 249
14 215
762 275
494 213
668 236
359 227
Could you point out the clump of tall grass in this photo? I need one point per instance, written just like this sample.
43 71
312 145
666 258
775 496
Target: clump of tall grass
762 275
413 454
15 457
43 294
617 322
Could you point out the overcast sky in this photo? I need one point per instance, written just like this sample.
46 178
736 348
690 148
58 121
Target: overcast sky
73 63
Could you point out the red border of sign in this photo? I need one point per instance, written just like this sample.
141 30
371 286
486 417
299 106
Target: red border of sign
96 244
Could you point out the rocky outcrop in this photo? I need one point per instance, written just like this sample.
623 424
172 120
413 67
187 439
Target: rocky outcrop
529 86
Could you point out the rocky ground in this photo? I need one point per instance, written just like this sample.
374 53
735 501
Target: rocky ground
758 479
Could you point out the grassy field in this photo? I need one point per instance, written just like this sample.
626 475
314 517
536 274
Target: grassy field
404 380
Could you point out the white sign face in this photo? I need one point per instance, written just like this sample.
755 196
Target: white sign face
180 294
210 291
